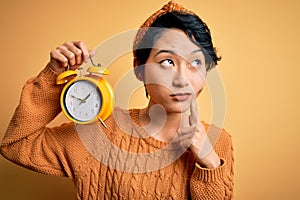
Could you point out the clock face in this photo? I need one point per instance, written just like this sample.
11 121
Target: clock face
83 101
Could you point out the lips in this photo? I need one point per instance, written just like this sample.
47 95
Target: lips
180 96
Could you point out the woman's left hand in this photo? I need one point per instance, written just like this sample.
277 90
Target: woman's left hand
196 137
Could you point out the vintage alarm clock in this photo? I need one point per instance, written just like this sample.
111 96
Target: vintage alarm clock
86 98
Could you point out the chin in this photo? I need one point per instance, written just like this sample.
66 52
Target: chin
178 107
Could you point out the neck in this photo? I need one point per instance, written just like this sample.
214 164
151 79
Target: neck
159 123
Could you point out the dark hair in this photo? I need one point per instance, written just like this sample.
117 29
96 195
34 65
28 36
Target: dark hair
192 25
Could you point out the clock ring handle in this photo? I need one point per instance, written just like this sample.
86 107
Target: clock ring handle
65 76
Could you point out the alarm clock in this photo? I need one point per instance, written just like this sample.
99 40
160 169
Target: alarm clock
86 98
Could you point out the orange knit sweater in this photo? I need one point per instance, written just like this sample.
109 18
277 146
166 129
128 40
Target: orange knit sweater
66 150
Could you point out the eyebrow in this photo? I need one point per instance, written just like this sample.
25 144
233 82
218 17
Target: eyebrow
197 50
164 51
172 52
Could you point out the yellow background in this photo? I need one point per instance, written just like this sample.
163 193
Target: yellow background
258 40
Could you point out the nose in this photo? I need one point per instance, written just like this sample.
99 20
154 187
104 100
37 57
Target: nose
179 78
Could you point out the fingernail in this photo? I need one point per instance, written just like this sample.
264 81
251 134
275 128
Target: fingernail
93 52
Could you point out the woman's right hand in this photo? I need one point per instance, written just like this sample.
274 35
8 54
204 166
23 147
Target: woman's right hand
69 53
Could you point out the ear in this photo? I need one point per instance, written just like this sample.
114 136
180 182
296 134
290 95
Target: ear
139 72
139 76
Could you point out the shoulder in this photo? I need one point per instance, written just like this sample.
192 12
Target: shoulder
219 137
215 132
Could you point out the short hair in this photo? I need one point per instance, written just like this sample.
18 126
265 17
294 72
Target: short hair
192 25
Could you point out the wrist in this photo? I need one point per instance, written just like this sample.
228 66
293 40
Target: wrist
53 69
211 161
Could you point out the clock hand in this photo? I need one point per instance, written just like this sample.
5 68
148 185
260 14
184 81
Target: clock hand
85 98
81 100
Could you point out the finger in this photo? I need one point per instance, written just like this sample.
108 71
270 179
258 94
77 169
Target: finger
186 133
184 121
184 138
92 53
76 51
85 52
194 117
187 130
186 143
59 59
68 54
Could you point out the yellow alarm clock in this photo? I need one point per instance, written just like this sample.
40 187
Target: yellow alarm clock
86 98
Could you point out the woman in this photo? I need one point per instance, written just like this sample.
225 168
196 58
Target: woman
172 53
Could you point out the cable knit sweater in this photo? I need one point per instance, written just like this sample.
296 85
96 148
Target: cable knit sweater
66 150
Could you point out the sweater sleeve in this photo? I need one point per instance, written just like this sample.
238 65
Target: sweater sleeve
27 141
215 183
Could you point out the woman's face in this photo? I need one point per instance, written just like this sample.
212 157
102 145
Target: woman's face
175 71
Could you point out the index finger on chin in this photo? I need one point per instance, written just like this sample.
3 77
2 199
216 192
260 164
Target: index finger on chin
194 117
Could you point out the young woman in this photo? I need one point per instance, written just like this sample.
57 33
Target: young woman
172 53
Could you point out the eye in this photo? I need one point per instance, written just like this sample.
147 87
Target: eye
167 63
196 63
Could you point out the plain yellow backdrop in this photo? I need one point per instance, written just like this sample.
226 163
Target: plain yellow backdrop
258 40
